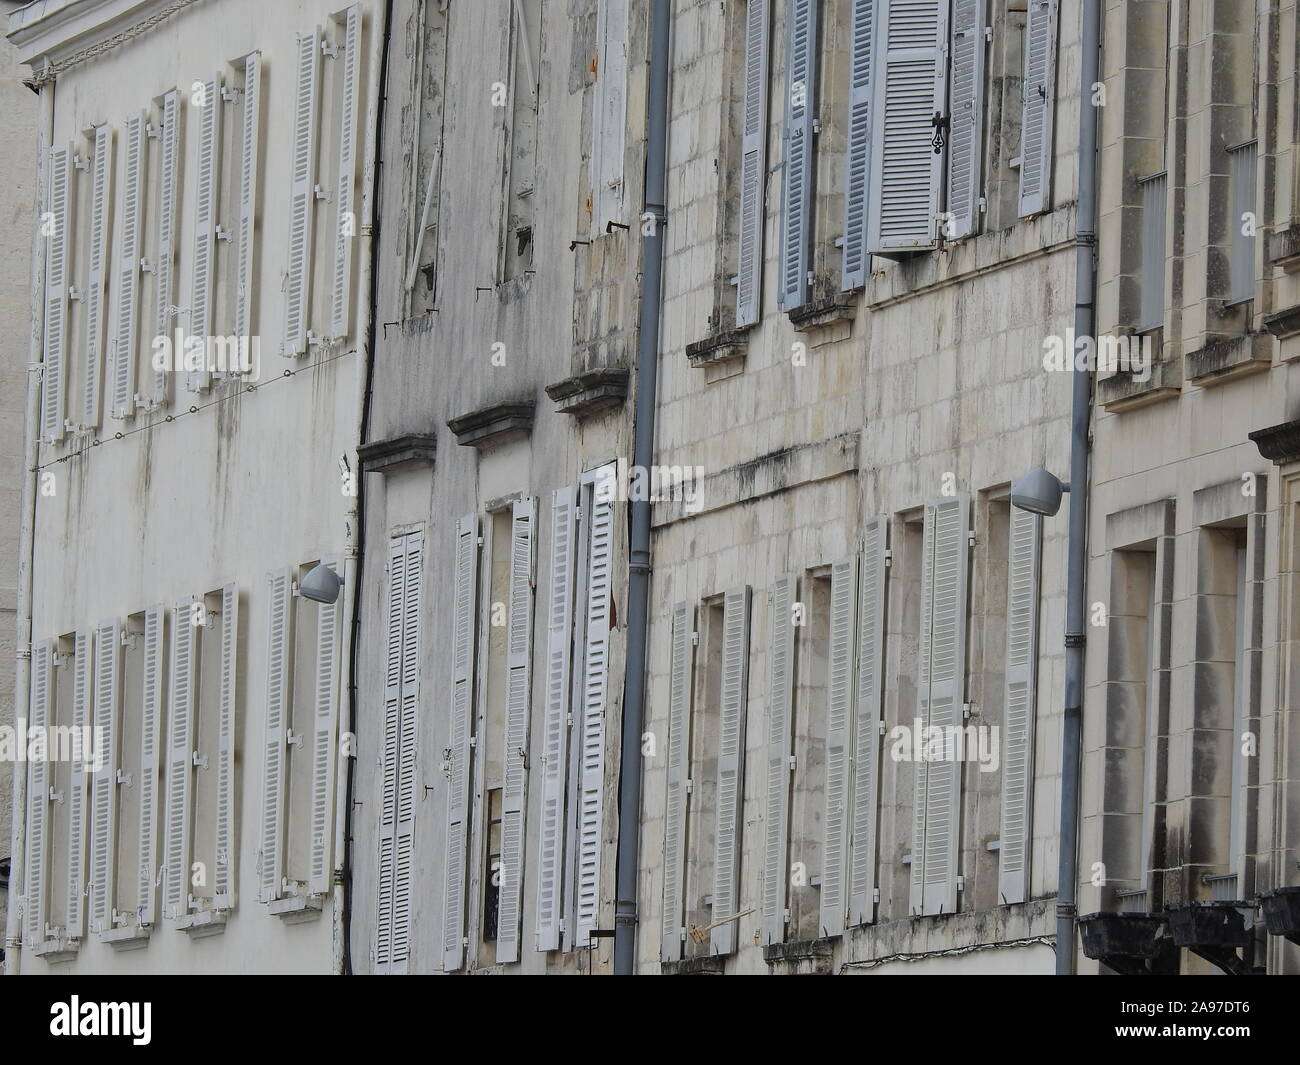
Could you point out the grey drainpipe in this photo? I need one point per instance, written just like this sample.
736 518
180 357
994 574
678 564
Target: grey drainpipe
1080 419
638 596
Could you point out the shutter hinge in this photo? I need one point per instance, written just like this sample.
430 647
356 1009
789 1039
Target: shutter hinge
970 537
880 725
229 95
961 883
122 778
875 894
984 204
889 557
291 739
55 795
80 162
988 33
695 639
817 125
792 763
473 743
333 52
150 130
690 785
201 760
967 711
221 233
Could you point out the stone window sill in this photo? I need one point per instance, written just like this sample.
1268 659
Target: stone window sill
1227 359
1123 392
203 923
126 936
719 349
297 909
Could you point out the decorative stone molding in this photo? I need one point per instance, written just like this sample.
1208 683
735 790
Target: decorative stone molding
723 347
296 909
1280 444
705 965
397 453
1284 248
1225 360
822 313
1122 391
1284 324
489 426
590 393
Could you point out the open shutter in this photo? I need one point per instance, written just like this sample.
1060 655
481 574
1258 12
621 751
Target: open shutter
103 844
555 727
780 707
128 268
151 715
866 724
406 779
462 714
857 155
518 687
38 794
206 206
250 105
302 196
1021 675
180 761
680 673
81 720
224 880
753 164
800 152
279 681
59 209
1036 117
966 50
329 629
910 96
733 702
839 721
101 169
609 114
169 147
346 227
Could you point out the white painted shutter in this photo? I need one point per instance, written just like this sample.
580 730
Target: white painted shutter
58 249
555 728
413 584
753 164
462 715
101 170
966 50
734 708
680 673
128 268
329 630
1021 675
103 842
780 709
251 105
800 152
839 722
302 196
518 689
169 147
389 758
224 880
38 795
207 201
866 724
1036 117
857 155
609 114
181 708
82 712
346 225
906 171
151 715
279 686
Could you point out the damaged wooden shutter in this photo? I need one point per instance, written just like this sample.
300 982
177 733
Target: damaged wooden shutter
128 268
346 225
207 198
800 152
58 251
224 881
169 147
151 703
329 628
251 104
734 708
279 685
780 708
839 721
1036 116
680 673
180 762
609 114
103 843
753 164
101 169
82 711
857 156
38 795
302 196
966 49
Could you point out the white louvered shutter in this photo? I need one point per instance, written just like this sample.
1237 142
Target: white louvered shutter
386 932
839 721
57 281
207 200
966 49
733 702
857 155
250 112
224 879
38 795
103 839
279 686
181 705
753 164
518 689
609 114
866 731
329 631
906 171
82 712
555 727
101 170
1036 116
1021 673
413 585
128 268
780 708
463 629
800 152
346 225
169 148
680 673
151 719
302 196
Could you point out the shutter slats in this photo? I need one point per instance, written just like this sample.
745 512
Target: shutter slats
182 683
329 628
733 702
279 681
780 707
753 164
391 764
680 674
224 879
345 227
1037 111
103 841
251 105
404 811
57 252
866 737
839 722
609 114
857 155
966 51
302 196
800 152
101 169
38 796
152 710
128 268
82 709
169 146
207 199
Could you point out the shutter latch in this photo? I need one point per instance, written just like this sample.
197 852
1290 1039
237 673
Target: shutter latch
940 124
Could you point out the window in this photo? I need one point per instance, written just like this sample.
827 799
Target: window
1152 309
1244 222
495 870
609 116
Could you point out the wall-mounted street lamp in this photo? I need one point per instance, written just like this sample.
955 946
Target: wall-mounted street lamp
1038 492
321 585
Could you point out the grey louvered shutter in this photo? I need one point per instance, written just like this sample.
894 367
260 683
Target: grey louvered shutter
866 723
753 164
857 155
966 125
555 727
164 265
839 722
412 609
519 654
390 764
182 683
680 673
38 796
224 880
103 842
798 190
128 268
152 710
302 196
251 105
911 92
780 712
101 169
207 200
733 702
463 628
329 632
1036 116
609 114
346 225
57 282
1021 677
279 685
82 711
